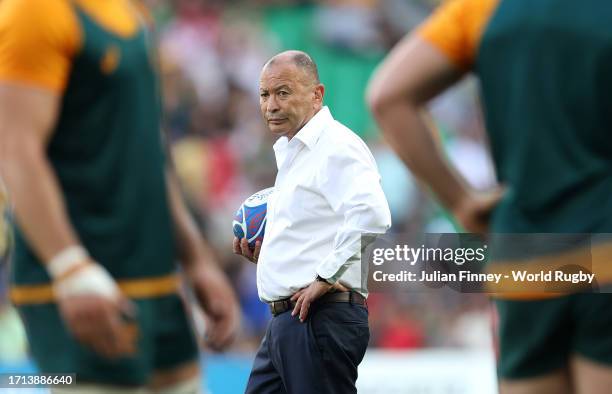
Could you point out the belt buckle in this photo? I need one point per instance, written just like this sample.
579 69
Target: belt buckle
275 307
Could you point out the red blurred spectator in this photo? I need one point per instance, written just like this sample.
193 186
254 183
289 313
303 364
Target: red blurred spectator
402 331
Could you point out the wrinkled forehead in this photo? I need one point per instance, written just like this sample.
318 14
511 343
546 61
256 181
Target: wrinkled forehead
277 74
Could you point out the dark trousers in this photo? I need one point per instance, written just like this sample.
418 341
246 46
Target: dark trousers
318 356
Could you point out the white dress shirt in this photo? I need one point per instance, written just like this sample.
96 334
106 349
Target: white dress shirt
327 193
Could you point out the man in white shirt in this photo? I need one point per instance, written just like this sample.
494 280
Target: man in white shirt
327 194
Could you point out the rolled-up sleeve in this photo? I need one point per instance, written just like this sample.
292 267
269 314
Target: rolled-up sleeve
350 182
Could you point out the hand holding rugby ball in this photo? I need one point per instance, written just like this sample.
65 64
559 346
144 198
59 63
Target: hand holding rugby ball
250 218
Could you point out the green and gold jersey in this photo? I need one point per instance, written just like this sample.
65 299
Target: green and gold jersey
106 148
546 88
543 67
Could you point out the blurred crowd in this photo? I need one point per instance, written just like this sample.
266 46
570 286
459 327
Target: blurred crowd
211 53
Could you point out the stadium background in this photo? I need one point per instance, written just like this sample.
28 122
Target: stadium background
211 54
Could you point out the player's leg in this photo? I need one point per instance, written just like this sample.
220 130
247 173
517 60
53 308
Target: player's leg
591 377
175 352
553 383
184 379
534 346
591 366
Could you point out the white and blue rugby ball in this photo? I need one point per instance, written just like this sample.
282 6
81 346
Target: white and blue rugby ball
250 219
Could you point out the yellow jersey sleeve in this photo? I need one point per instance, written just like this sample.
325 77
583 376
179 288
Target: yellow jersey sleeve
456 29
38 39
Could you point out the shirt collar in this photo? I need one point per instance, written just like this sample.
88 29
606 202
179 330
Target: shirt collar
308 135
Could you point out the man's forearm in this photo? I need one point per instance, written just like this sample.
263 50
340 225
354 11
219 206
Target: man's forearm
37 200
359 219
408 134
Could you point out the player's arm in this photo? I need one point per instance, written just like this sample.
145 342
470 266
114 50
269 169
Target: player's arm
28 115
413 73
214 292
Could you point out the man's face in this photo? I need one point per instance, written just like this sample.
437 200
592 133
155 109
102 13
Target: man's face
288 98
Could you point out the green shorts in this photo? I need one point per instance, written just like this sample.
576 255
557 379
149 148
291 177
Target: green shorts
165 341
538 337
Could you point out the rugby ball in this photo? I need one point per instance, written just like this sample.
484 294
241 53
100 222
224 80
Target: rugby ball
250 219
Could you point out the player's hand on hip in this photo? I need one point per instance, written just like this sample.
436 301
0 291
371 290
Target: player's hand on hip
241 247
95 311
474 212
306 296
218 302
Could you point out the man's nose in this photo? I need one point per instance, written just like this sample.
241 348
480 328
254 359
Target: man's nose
272 104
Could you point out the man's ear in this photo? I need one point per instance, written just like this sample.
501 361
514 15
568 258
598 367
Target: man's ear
319 92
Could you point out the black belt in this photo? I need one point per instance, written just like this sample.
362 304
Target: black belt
280 306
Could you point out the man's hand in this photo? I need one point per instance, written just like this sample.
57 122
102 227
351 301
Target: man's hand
217 300
307 296
242 248
474 211
100 323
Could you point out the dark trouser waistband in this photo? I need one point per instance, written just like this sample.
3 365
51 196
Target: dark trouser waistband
280 306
